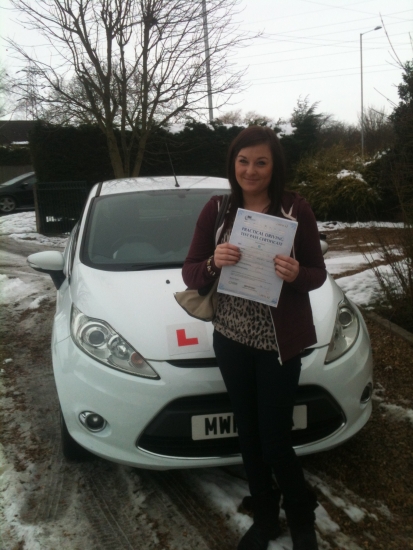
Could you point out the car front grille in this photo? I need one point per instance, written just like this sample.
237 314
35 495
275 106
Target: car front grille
169 434
194 363
212 361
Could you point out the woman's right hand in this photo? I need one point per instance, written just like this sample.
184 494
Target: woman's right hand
226 254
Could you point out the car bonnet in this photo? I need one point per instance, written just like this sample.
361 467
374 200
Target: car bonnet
141 307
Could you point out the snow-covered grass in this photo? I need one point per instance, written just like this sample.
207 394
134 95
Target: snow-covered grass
12 499
22 227
333 225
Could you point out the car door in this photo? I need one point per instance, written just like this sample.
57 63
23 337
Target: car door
26 191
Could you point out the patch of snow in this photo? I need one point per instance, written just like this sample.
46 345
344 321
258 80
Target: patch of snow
350 174
22 227
324 522
378 388
355 513
362 288
343 541
384 511
38 301
340 264
13 289
12 497
225 492
6 361
23 222
334 225
398 413
42 239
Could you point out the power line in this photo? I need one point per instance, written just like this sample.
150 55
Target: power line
312 57
304 13
317 77
309 46
372 16
334 7
323 72
317 37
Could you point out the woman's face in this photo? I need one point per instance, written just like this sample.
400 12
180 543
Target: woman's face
253 170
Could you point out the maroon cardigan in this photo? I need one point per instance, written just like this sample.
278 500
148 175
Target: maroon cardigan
293 319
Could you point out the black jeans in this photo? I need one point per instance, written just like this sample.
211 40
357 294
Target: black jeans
262 394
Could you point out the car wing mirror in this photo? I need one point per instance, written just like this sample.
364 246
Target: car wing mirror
323 243
50 262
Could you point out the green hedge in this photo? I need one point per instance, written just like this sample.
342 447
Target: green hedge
69 153
15 156
81 153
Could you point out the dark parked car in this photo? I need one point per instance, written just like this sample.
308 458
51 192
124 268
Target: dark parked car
17 192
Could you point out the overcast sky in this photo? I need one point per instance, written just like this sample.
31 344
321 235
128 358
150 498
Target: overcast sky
308 48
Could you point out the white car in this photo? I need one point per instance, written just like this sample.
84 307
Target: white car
136 377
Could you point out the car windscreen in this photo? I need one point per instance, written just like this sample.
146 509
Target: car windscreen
144 230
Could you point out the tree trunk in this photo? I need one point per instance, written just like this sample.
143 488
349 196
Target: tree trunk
139 157
115 156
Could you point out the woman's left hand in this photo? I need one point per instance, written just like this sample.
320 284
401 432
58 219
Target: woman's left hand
286 268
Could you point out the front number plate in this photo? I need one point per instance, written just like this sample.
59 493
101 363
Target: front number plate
214 426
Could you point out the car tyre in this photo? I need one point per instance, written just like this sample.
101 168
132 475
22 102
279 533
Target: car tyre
7 205
71 449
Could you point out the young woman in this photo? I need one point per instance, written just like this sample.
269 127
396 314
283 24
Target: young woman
258 347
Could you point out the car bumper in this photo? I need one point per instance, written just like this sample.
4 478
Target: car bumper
131 404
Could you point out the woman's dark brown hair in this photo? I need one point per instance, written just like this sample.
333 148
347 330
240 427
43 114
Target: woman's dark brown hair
251 136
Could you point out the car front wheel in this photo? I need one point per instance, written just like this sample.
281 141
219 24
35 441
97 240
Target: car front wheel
7 205
71 449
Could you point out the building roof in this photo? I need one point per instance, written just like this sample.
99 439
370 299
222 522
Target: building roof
12 131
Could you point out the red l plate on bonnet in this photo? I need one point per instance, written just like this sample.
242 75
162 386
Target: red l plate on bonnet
183 340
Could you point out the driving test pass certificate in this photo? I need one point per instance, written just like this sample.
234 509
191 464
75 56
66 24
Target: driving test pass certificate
260 238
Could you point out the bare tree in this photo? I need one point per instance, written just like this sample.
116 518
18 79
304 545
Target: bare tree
129 65
3 91
231 117
6 104
378 130
253 118
250 118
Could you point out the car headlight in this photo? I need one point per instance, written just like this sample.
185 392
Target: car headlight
100 341
346 329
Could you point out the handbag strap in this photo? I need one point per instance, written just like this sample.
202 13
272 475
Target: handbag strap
222 210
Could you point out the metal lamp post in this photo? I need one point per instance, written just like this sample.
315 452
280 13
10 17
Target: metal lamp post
361 76
208 64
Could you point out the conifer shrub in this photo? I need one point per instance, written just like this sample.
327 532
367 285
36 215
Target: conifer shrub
332 182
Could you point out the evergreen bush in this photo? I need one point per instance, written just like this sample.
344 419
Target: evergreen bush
69 153
331 181
81 153
14 156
